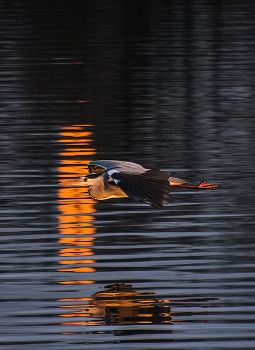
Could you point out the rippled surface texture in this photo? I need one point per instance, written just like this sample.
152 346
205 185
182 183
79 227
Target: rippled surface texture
164 84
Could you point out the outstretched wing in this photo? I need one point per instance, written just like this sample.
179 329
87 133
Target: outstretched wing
151 186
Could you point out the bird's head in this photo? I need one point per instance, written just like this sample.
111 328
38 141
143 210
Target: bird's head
87 180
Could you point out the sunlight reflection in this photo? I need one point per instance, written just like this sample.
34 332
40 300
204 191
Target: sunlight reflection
75 206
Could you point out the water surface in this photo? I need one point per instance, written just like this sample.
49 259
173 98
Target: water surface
164 85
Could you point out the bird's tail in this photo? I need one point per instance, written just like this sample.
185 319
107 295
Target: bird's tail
173 181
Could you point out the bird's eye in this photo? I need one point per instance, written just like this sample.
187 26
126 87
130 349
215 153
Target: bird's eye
83 179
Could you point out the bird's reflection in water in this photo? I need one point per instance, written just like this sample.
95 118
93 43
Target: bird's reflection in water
120 304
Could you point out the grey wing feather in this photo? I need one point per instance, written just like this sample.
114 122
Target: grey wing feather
99 166
151 186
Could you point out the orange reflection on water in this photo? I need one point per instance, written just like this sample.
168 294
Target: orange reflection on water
79 269
81 141
77 152
76 282
75 206
75 251
77 240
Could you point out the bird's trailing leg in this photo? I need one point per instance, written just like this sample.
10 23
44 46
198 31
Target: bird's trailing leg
202 186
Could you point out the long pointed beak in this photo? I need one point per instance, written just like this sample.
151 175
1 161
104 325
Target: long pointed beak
71 182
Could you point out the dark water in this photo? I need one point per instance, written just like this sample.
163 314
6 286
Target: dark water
165 84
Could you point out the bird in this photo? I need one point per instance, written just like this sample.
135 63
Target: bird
117 179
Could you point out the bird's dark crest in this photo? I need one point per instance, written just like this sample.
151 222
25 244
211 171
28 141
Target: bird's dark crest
92 175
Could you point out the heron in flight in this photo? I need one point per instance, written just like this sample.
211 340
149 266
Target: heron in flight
117 179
